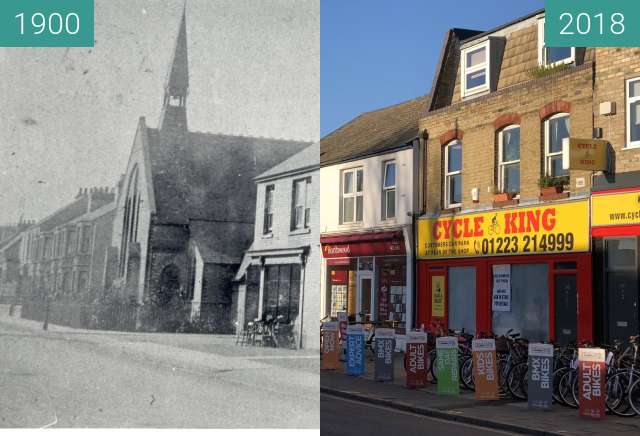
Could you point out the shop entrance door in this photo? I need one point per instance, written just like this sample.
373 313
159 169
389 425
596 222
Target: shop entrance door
622 287
365 297
566 308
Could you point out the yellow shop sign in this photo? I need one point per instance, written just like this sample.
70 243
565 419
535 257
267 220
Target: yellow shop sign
615 209
556 228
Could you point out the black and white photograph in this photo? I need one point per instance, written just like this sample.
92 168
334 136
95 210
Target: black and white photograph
159 220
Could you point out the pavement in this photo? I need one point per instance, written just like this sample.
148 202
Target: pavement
506 414
67 377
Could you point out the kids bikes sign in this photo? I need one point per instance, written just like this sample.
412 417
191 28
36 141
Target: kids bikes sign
557 228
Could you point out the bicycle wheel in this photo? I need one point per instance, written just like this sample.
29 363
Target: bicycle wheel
634 396
565 388
466 374
516 379
617 389
433 361
557 376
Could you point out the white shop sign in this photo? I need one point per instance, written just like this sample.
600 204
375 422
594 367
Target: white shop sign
501 288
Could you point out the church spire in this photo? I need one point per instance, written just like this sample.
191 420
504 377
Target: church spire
177 84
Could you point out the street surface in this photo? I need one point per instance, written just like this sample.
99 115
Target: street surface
65 378
343 417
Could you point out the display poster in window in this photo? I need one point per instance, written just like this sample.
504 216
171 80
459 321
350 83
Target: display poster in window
447 366
415 360
383 302
437 296
330 346
385 344
343 322
355 350
591 382
545 229
540 376
501 301
485 369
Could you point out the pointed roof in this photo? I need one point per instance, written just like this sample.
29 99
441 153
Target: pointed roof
178 79
303 161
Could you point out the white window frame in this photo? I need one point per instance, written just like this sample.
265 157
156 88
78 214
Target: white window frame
502 164
355 194
483 66
386 189
629 102
300 210
547 137
448 175
541 50
268 208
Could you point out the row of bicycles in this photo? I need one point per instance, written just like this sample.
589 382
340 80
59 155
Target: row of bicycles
268 332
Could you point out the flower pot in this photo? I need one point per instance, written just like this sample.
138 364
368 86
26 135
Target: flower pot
502 196
550 191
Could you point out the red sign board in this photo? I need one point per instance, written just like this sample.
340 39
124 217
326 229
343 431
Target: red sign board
591 382
357 249
339 276
416 363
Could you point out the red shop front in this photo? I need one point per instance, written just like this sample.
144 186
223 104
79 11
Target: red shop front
366 276
507 274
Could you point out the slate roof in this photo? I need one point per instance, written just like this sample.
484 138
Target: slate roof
221 242
307 159
373 132
210 176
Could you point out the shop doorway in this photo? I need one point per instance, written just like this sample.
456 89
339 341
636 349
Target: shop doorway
622 287
365 297
566 308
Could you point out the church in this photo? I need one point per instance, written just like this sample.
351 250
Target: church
185 211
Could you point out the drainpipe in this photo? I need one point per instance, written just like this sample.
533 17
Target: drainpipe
420 196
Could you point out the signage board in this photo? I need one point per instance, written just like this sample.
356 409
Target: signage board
357 249
447 366
591 382
355 350
615 209
385 344
416 360
330 345
485 369
540 376
553 228
585 154
501 301
437 296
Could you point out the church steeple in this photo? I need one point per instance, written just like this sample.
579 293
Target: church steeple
176 89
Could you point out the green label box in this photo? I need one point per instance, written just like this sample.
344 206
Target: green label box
592 23
47 23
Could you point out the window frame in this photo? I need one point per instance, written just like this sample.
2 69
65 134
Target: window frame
306 210
386 189
355 194
465 70
628 102
448 174
547 143
502 164
267 225
542 62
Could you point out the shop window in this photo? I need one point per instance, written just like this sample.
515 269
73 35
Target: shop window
553 56
339 280
509 159
392 299
621 253
300 211
565 265
268 209
86 239
529 308
453 174
282 291
389 190
633 113
475 69
462 298
557 128
352 195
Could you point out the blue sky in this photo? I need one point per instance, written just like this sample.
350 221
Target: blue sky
375 53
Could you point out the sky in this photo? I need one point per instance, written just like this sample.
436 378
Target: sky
376 53
68 116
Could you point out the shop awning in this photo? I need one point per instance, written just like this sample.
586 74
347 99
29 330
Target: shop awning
363 244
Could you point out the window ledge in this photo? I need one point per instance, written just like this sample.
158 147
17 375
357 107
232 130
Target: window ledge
300 232
631 147
267 236
451 210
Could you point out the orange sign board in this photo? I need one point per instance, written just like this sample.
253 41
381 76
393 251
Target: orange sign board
330 346
485 369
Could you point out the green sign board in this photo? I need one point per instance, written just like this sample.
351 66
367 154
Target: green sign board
592 23
47 23
447 366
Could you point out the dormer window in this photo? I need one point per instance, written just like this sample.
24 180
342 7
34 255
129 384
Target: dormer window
475 69
553 56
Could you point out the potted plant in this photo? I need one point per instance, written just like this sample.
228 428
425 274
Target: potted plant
504 198
552 187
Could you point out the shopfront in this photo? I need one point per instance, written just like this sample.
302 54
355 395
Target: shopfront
615 220
526 269
367 276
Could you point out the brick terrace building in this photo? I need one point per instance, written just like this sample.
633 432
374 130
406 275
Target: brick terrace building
501 105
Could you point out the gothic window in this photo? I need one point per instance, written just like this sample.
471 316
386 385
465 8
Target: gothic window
130 217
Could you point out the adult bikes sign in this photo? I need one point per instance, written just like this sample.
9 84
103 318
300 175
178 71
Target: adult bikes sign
556 228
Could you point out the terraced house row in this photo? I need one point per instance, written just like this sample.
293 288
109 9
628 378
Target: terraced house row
506 197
